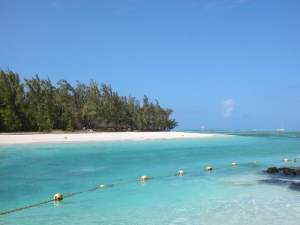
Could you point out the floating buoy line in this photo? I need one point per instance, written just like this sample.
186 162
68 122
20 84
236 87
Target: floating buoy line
58 197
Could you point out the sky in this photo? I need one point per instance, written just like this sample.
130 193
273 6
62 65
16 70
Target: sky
219 64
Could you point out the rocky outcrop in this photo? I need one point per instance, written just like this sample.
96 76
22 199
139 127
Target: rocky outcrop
272 170
284 171
278 175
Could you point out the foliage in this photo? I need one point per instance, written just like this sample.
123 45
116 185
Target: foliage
38 105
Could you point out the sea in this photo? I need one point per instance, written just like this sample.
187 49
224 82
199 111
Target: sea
101 182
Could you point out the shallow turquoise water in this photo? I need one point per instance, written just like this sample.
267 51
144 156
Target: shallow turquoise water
33 173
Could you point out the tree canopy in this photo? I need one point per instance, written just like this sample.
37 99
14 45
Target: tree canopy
37 105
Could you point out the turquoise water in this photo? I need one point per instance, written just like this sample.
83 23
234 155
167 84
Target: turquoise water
33 173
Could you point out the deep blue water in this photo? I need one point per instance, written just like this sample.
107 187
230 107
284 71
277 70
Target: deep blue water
227 195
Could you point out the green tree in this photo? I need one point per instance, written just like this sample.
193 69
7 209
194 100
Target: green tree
11 102
65 106
38 105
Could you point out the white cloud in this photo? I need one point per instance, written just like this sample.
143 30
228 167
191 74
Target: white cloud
229 106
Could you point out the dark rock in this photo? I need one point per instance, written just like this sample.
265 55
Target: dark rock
272 170
283 176
284 171
287 171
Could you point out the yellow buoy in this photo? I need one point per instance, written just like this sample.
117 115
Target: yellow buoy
105 185
144 178
58 197
234 164
180 173
286 160
209 168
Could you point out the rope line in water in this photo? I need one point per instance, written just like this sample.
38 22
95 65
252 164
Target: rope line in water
104 186
26 207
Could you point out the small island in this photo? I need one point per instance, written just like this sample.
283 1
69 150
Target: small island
37 105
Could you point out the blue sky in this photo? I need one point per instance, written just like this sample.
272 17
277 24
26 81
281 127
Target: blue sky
224 64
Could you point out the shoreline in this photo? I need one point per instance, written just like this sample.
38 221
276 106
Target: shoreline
48 138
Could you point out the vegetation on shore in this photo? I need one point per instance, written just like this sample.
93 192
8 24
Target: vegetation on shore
37 105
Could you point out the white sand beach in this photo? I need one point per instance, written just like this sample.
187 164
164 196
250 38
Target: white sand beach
27 138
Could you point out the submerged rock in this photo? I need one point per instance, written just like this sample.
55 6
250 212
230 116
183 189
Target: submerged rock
295 186
290 183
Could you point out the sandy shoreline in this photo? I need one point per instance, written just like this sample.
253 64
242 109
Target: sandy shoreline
95 137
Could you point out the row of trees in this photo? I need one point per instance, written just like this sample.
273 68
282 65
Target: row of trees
37 105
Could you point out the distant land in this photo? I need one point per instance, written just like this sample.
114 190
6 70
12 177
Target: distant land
37 105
